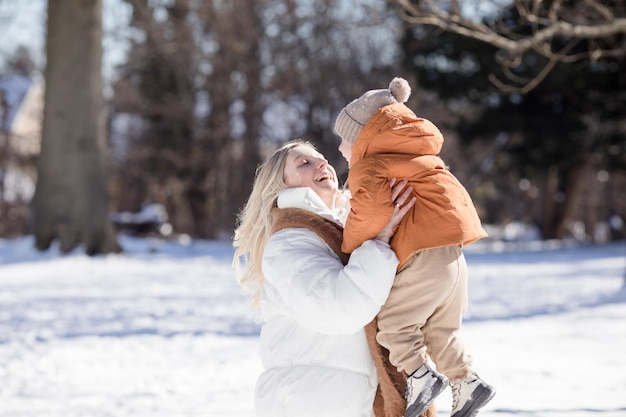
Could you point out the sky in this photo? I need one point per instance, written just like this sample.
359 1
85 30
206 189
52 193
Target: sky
22 23
164 330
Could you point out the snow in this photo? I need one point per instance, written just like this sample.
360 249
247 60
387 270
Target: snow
165 330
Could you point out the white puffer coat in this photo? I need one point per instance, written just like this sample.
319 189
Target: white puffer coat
313 347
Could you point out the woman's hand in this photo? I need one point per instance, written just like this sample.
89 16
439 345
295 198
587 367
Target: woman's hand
399 197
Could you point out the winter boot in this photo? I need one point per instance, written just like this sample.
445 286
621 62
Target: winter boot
470 395
422 387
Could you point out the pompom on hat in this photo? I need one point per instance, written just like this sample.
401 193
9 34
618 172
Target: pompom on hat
355 115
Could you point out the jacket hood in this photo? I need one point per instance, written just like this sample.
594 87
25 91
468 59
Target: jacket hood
395 129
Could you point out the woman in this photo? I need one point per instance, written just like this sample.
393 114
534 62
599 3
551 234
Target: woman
313 307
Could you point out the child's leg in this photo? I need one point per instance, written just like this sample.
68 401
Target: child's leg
424 308
444 346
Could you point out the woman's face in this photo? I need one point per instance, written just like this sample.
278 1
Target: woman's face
345 148
305 167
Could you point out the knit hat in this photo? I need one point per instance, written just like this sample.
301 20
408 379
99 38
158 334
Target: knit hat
355 115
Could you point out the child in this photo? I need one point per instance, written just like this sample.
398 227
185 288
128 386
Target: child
382 139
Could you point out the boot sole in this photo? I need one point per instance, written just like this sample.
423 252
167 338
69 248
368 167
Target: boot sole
481 398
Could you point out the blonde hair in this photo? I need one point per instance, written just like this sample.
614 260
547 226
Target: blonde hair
255 219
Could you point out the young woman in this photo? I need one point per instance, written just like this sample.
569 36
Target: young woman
313 301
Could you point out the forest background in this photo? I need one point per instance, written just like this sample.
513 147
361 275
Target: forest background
530 96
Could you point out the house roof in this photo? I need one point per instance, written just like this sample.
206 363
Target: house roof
13 90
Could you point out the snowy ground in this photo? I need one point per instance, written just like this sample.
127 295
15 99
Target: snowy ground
165 331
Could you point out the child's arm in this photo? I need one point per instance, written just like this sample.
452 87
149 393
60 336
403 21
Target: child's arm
371 206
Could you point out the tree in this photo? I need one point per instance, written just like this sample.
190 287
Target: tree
557 30
230 134
556 136
187 78
71 201
286 75
322 55
157 86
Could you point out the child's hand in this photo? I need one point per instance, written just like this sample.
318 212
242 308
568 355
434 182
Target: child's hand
399 197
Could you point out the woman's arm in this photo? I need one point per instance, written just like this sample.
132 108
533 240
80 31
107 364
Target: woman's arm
308 282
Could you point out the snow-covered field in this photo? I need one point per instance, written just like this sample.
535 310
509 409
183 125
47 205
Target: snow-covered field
165 331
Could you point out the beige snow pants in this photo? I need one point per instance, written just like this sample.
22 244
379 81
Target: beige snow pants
424 311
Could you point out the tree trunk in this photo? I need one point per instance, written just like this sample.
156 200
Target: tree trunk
577 178
71 200
548 227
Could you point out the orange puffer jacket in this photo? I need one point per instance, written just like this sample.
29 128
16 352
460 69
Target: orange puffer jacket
397 143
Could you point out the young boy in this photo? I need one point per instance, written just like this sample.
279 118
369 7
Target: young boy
383 139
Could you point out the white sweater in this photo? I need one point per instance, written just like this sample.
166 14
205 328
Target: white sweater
313 347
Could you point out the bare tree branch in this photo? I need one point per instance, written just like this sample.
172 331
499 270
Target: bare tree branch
527 85
582 20
604 11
